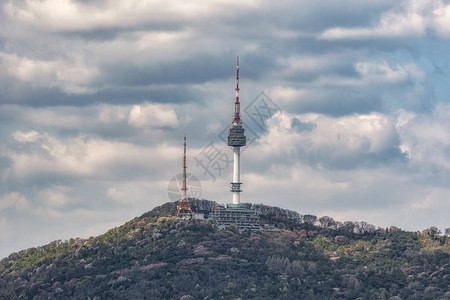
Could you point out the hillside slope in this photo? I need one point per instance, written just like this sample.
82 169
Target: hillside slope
158 256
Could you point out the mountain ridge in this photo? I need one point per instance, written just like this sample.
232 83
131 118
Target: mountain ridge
159 256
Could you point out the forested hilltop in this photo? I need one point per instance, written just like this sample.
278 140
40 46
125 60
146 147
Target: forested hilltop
159 256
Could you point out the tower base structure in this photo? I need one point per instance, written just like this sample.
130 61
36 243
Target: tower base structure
184 210
243 216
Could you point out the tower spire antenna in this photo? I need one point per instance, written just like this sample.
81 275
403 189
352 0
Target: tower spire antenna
237 113
184 208
236 139
184 188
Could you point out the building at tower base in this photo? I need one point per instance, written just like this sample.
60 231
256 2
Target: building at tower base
244 216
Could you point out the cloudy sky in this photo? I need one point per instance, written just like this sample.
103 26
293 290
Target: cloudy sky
346 105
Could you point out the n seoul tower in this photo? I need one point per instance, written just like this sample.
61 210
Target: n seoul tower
236 139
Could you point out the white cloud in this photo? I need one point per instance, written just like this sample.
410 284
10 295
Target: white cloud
55 197
287 94
152 115
426 139
133 193
92 118
23 137
411 18
391 25
113 113
70 77
442 19
80 157
384 72
375 73
68 15
311 63
12 200
330 138
367 83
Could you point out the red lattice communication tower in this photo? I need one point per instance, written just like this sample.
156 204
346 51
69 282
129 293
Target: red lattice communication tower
184 208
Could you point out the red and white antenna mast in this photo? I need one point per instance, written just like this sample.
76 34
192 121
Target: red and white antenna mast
184 188
184 208
237 113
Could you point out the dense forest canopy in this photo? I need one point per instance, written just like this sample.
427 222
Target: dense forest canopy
159 256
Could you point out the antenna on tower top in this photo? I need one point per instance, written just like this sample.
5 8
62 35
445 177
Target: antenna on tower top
237 113
184 188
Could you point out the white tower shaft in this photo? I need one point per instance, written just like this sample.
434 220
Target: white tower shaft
236 173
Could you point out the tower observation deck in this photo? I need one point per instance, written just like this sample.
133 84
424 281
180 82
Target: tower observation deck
236 139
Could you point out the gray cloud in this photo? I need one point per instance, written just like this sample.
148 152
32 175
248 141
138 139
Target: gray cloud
302 126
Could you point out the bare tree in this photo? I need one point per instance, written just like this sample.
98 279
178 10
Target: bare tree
309 219
327 222
364 227
433 230
348 226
